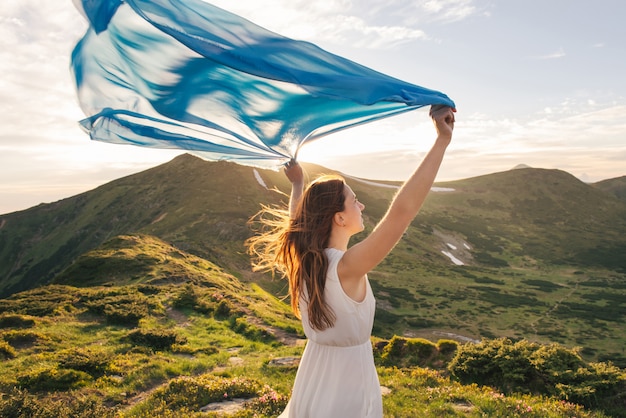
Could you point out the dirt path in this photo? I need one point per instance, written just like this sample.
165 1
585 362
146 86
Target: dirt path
533 325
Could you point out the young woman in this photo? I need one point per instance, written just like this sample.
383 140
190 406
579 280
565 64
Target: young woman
328 282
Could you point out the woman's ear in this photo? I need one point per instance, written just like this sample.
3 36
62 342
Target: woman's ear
338 219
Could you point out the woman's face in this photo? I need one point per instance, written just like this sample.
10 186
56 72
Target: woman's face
351 214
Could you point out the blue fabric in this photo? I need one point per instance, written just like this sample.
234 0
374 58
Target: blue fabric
187 75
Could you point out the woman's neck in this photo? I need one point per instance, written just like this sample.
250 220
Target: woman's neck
338 239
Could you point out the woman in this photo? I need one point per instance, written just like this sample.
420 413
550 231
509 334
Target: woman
328 282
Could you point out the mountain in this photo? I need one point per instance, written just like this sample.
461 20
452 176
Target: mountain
196 205
616 187
526 253
545 215
137 298
203 207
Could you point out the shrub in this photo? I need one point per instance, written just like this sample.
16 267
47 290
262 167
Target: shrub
40 302
120 306
93 362
16 321
155 339
187 298
546 370
447 347
53 379
147 289
224 308
250 331
23 338
269 403
498 363
128 315
190 297
419 348
199 391
6 351
392 349
19 403
408 352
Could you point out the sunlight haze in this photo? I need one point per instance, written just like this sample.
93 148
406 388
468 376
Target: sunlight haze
539 83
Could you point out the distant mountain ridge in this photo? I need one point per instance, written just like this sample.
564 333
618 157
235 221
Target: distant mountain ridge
202 207
528 253
616 186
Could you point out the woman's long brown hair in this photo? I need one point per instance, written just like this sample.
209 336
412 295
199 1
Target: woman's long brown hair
295 247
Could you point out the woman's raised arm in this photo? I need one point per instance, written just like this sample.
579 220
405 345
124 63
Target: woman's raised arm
294 173
364 256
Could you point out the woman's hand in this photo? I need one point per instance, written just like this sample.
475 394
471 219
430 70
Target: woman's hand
293 171
443 118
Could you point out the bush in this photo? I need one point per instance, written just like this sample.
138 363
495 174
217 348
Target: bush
158 340
128 315
93 362
408 352
224 308
53 379
447 347
199 391
420 348
541 369
187 298
269 403
250 331
21 404
498 363
119 306
42 301
393 349
190 297
23 338
16 321
6 351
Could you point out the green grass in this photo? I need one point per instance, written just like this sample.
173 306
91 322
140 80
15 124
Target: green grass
546 265
74 352
584 307
426 393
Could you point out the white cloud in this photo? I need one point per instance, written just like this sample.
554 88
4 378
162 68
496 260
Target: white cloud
560 53
590 142
360 24
448 10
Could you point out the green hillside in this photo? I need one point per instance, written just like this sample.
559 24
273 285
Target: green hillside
616 186
542 252
534 215
137 328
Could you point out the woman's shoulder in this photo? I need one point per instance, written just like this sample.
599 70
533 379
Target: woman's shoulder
333 255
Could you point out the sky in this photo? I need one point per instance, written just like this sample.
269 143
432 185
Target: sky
536 82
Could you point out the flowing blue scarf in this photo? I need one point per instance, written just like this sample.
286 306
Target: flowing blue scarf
184 74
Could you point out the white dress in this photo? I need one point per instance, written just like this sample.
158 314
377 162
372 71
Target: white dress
337 377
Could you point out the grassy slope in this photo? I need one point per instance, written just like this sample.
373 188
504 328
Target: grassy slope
546 264
546 259
63 343
616 186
